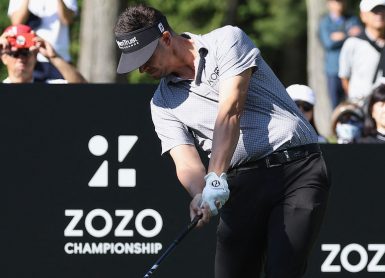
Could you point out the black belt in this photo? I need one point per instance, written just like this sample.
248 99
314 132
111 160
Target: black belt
277 158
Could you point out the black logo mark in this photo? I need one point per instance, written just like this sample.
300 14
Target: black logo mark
215 183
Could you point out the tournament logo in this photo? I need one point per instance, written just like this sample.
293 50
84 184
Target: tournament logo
120 223
98 146
338 258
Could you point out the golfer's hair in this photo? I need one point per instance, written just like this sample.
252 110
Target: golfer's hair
136 17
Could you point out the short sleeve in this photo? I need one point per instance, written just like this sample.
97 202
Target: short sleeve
235 53
169 129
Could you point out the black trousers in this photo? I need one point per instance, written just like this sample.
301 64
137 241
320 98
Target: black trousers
272 219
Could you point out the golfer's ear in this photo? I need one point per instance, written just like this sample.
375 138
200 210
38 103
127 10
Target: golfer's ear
166 37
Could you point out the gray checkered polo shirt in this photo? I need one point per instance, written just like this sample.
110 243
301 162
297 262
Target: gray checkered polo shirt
185 113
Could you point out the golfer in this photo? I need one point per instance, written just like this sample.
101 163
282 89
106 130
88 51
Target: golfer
266 172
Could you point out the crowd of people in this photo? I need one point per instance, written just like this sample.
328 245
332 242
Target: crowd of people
351 123
355 69
354 66
35 48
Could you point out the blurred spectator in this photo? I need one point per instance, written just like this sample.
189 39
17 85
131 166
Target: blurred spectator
361 65
50 19
335 27
19 47
347 122
305 99
374 128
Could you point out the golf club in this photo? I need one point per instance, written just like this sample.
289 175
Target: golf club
190 226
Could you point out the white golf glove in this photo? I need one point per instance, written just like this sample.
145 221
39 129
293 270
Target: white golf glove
216 190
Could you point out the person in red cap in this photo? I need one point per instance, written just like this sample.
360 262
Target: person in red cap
51 20
19 47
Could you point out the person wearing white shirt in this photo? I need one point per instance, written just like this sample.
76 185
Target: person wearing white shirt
362 65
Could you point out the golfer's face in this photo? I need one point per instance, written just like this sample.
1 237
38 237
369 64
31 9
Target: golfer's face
156 66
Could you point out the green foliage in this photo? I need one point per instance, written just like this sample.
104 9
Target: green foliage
75 33
4 22
270 23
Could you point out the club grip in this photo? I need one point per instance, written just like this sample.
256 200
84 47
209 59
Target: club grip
195 221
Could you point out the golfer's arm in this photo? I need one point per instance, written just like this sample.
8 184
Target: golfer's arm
232 98
20 16
189 168
69 72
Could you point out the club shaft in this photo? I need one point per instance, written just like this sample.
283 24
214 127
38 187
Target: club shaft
171 247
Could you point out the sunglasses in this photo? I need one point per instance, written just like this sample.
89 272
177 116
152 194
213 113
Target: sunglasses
20 53
304 105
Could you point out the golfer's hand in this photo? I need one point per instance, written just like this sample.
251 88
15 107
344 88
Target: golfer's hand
197 208
216 192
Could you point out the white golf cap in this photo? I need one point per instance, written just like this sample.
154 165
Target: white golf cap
368 5
301 92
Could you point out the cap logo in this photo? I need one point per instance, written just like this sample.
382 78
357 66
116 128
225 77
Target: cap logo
161 28
137 39
20 40
125 44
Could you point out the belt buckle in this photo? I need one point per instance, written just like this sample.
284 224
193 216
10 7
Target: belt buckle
269 165
267 162
286 153
287 157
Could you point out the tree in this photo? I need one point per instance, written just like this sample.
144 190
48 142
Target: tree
98 55
316 75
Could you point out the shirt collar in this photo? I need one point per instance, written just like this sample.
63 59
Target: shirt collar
200 44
